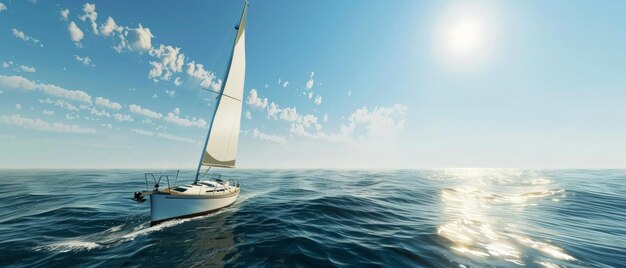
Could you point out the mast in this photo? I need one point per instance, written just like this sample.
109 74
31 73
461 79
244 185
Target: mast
221 92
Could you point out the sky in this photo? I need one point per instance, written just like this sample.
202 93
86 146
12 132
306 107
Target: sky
329 84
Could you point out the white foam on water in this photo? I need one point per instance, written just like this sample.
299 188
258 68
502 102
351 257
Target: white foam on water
71 245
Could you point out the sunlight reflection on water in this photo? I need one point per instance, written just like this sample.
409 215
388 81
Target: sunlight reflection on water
478 222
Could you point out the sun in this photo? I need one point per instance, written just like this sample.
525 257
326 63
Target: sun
465 34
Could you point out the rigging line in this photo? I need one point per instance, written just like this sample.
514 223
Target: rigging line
226 37
211 91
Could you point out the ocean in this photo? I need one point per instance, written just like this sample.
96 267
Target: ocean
321 218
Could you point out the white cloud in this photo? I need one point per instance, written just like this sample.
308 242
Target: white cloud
318 100
309 84
91 14
325 118
19 82
289 114
39 124
178 82
170 93
286 84
254 100
108 103
96 112
310 95
139 39
107 126
207 78
2 7
71 116
123 117
274 138
349 93
47 112
60 103
6 64
28 69
146 121
176 138
248 115
172 61
154 96
381 124
174 118
145 112
273 111
21 35
64 14
18 107
75 33
177 111
84 60
142 132
110 27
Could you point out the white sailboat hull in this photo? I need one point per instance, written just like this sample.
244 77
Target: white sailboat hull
164 206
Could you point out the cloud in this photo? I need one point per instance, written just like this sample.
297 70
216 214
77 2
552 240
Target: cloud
273 110
110 27
6 64
318 100
28 69
177 138
64 14
46 112
96 112
145 112
289 114
248 115
286 84
39 124
2 7
325 118
172 61
21 35
170 93
381 123
178 82
123 117
84 60
108 103
309 84
174 118
91 14
207 79
274 138
163 135
349 93
176 110
19 82
75 33
142 132
18 107
60 103
139 39
254 100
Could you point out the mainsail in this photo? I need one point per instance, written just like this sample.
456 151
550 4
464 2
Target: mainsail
221 145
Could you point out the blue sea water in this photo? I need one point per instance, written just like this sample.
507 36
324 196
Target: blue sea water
319 218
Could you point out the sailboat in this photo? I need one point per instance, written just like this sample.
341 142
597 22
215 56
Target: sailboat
204 196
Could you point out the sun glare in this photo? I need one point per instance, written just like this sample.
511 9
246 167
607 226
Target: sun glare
465 34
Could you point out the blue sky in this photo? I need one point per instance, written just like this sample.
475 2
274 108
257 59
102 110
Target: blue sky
329 84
